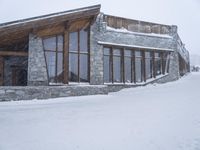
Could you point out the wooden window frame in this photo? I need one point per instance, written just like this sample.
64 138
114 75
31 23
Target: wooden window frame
142 57
79 54
56 55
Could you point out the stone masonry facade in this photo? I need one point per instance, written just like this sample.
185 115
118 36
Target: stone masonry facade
100 34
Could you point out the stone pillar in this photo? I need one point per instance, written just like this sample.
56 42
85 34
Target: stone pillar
174 58
37 72
96 52
174 66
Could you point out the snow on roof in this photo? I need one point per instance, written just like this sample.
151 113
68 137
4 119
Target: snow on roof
134 46
124 30
7 24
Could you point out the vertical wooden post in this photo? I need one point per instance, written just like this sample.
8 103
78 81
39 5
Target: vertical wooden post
112 74
144 65
123 65
66 57
133 67
79 55
154 65
162 62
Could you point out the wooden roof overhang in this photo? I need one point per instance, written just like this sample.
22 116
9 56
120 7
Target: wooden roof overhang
18 31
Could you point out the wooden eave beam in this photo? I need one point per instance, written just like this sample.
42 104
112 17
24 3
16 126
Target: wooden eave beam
13 53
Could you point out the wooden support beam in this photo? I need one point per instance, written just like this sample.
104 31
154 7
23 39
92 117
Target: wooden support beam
13 53
66 57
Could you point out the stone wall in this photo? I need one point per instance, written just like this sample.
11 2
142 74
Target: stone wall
45 92
37 72
14 93
100 33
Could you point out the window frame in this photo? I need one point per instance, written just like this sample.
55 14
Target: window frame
79 53
56 56
152 59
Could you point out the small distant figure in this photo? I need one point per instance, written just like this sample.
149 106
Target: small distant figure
195 68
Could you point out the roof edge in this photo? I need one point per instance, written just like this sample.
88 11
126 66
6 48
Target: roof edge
2 25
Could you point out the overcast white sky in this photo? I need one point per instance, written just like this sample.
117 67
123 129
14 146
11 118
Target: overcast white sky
184 13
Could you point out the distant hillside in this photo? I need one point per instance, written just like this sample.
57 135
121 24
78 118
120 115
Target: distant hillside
195 60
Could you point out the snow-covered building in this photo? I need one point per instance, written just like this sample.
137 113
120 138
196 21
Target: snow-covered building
87 46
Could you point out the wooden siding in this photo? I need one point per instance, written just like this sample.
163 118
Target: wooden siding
136 25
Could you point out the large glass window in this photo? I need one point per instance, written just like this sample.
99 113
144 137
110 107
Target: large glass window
165 62
78 56
133 66
158 63
53 48
117 67
148 64
107 66
128 69
138 66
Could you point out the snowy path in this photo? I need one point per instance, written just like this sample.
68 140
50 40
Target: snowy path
156 117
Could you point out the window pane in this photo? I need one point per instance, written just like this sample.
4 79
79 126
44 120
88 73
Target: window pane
148 65
73 41
60 67
165 61
60 43
106 51
147 54
148 68
158 66
84 40
127 53
73 67
127 62
157 54
51 65
50 44
83 68
138 54
117 69
106 69
138 69
117 52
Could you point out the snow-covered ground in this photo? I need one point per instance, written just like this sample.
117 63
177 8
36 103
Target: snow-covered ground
155 117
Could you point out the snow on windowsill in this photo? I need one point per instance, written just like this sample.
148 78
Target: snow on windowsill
74 84
140 83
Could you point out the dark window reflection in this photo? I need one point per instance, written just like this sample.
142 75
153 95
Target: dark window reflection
60 67
51 65
73 41
53 48
117 66
138 66
84 68
73 67
60 43
158 63
128 66
50 44
127 72
107 68
78 56
84 40
148 65
138 69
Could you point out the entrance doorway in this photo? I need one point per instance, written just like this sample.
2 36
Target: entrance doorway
19 76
